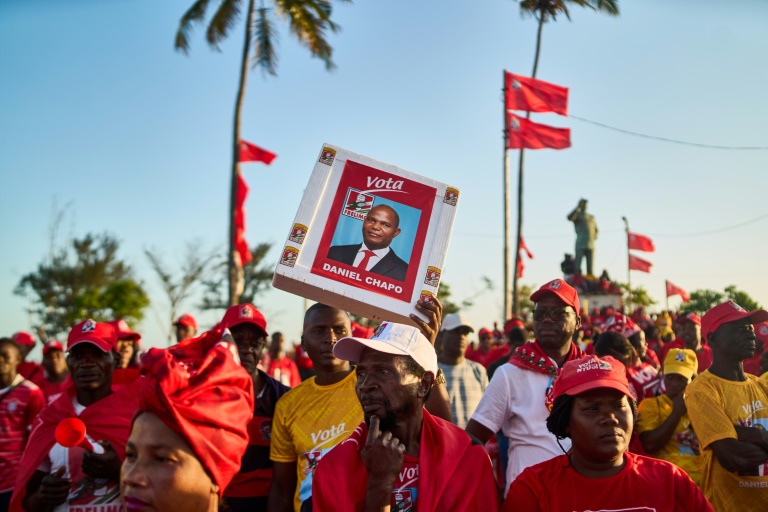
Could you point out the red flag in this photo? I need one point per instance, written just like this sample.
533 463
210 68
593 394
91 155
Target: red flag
640 264
676 290
252 153
533 95
524 247
640 242
241 246
520 267
524 133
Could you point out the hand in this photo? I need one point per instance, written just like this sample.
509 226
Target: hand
678 404
54 488
382 456
434 312
103 465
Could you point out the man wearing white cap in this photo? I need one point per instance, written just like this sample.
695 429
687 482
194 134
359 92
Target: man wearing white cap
465 380
401 456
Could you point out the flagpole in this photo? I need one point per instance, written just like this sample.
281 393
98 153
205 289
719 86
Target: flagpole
629 273
666 292
507 220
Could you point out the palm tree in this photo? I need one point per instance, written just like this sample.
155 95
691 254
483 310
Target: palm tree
308 20
543 11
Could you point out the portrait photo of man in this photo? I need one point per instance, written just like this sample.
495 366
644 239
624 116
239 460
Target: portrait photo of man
380 226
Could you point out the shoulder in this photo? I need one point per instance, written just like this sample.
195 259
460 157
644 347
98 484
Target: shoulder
297 394
276 388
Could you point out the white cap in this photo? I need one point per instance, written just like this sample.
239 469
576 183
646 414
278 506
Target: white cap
454 320
391 338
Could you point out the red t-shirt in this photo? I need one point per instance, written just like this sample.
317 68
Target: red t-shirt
704 355
485 358
645 379
284 371
19 407
405 491
643 485
51 390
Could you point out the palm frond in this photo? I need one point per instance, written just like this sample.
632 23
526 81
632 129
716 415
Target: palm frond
196 13
226 17
608 7
554 8
308 28
264 39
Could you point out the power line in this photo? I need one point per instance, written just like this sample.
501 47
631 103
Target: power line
719 230
665 139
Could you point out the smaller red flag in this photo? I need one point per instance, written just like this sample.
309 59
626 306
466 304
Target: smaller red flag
524 247
520 267
241 246
532 95
640 242
640 264
676 290
524 133
252 153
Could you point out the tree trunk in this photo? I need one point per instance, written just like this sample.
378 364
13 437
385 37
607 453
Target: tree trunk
515 298
235 266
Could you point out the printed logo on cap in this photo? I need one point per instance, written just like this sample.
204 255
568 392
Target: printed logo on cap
555 285
763 329
593 364
680 357
327 155
736 306
89 326
245 312
379 330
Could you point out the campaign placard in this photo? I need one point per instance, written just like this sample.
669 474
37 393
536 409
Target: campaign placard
369 237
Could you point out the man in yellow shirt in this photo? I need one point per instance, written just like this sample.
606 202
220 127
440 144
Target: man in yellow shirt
729 410
665 429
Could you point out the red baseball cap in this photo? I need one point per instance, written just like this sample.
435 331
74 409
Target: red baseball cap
761 330
123 331
484 331
563 290
101 334
188 320
24 338
689 317
242 314
729 312
621 324
591 372
513 323
52 345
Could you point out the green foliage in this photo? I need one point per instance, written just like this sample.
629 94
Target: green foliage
257 277
524 293
640 296
84 280
703 300
443 295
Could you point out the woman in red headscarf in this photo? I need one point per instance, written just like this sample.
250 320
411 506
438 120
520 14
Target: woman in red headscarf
190 432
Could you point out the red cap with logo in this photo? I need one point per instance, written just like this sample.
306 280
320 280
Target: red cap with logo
244 314
24 338
103 335
187 320
689 317
563 290
484 331
591 372
52 345
621 324
729 312
761 330
123 330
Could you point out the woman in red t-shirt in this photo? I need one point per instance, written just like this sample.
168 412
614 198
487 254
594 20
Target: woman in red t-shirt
593 405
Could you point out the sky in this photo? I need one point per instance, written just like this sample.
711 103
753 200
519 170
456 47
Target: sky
103 119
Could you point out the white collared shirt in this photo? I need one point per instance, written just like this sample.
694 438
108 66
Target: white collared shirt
378 254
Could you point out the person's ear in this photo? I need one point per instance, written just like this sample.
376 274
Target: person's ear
426 383
397 232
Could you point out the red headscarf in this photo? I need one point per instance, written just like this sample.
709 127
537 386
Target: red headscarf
199 390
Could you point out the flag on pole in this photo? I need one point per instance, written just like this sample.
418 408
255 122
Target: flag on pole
532 95
524 133
640 264
640 242
252 153
523 251
676 290
524 247
241 246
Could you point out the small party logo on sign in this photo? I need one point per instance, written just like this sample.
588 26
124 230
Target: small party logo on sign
451 196
290 254
433 276
327 155
298 233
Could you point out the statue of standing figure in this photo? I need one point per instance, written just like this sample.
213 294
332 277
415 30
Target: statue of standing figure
586 234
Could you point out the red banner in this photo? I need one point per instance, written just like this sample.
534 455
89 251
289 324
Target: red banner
241 246
253 153
525 134
532 95
640 242
676 290
640 264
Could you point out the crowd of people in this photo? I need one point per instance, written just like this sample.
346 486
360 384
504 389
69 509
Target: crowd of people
560 410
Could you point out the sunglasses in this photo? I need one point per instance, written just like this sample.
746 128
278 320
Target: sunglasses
556 315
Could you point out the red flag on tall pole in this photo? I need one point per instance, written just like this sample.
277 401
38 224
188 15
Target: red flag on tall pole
524 133
241 246
524 247
640 242
253 153
532 95
640 264
520 264
676 290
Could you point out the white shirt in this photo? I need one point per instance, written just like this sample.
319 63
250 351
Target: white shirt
514 403
378 254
